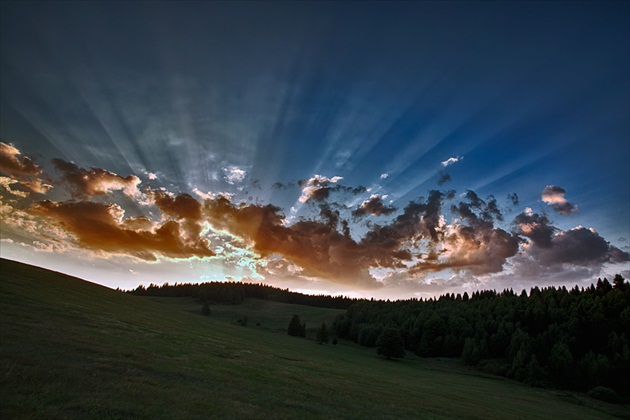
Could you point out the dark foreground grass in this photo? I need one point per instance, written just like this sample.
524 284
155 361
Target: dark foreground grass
73 349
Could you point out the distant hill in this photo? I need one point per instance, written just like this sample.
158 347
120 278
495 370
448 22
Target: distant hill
74 349
236 292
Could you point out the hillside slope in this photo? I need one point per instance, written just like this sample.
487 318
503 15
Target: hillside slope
73 349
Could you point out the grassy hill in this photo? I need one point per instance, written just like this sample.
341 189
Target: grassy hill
261 314
73 349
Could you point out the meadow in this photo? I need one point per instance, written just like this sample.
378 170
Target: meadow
74 349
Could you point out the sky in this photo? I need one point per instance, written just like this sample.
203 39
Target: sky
370 149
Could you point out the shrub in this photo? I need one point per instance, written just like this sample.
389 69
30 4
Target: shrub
205 309
604 394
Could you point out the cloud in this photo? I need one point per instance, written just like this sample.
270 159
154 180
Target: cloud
488 211
452 160
479 251
536 227
374 206
443 178
473 243
513 197
578 246
182 206
83 183
23 173
281 186
13 163
233 174
210 195
7 182
102 227
317 247
317 188
554 196
559 256
384 175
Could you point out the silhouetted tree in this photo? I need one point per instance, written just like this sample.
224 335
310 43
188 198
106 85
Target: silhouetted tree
296 328
390 344
205 309
322 334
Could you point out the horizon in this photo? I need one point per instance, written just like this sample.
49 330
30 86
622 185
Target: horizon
386 150
528 293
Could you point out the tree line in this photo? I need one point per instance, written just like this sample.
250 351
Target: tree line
235 292
552 337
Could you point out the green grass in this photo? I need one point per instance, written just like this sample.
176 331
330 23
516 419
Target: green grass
73 349
261 314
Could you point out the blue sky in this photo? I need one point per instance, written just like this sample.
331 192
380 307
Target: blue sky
319 109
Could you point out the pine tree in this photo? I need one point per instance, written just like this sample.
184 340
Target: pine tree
390 344
296 328
322 334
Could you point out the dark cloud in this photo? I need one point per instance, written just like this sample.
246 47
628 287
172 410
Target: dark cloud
374 206
478 212
579 246
443 178
83 183
419 219
182 206
536 227
474 244
553 253
330 215
554 196
282 186
478 251
513 197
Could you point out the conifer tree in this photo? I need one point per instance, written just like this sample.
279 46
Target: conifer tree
296 328
322 334
390 344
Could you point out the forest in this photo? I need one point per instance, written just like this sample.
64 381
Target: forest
235 292
576 339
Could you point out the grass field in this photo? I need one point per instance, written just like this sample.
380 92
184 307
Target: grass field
73 349
261 314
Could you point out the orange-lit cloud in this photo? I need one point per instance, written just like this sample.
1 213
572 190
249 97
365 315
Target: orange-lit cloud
316 247
83 183
13 163
23 173
101 227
